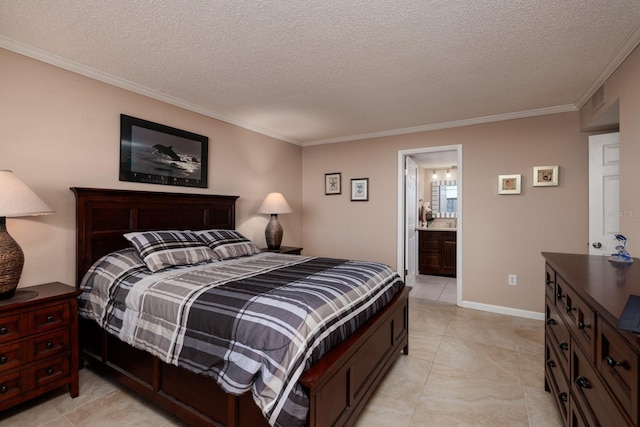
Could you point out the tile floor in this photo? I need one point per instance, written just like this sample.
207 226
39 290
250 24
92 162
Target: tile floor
464 368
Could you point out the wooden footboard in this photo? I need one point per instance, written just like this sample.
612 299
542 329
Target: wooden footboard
339 384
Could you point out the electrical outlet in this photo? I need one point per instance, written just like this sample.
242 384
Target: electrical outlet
513 280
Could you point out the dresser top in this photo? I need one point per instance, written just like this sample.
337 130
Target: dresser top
604 284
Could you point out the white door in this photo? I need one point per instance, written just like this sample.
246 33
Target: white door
604 193
411 220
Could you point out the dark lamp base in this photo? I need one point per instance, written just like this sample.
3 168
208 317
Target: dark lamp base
273 233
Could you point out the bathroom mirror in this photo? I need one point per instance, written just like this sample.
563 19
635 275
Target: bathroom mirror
444 199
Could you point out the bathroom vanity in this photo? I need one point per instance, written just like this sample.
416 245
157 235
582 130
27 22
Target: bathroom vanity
437 251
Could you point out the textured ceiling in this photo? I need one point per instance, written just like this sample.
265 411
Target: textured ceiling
332 70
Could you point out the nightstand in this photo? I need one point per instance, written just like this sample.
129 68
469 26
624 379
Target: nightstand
38 343
284 250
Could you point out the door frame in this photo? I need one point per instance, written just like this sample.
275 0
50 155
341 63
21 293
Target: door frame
400 233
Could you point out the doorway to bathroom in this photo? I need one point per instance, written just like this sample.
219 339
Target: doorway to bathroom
430 221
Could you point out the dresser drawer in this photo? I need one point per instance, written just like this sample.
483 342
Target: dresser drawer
51 317
557 381
591 394
558 335
550 282
618 365
578 315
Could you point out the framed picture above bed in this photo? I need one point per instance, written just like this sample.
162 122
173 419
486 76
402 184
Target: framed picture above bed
158 154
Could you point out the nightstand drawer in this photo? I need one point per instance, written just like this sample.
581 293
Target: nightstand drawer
12 327
50 344
51 317
11 385
13 355
51 370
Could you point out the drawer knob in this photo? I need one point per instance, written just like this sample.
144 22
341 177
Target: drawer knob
559 295
551 322
582 325
4 389
50 318
583 382
3 330
612 362
564 346
563 396
50 371
49 345
551 363
3 359
570 309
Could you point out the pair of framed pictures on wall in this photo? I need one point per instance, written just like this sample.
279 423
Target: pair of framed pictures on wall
543 176
359 186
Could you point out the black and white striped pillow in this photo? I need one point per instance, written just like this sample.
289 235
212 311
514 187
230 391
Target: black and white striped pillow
228 243
167 248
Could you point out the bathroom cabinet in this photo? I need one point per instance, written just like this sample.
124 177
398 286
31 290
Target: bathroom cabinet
437 252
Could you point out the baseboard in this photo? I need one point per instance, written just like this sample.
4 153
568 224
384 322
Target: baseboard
502 310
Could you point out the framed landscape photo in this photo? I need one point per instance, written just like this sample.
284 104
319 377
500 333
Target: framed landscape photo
157 154
333 183
360 189
544 176
509 184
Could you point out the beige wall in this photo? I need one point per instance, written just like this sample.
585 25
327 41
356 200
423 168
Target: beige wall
502 234
59 129
623 93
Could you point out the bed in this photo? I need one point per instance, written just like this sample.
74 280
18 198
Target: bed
337 385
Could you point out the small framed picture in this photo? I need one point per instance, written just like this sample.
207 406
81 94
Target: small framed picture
360 189
544 176
509 184
333 183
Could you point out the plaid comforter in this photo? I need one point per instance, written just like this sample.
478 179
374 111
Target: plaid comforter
253 323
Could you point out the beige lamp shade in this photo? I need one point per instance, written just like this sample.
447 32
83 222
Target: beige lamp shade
273 205
16 199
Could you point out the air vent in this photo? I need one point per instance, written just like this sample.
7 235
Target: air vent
597 100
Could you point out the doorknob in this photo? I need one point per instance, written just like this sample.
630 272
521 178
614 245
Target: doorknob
597 245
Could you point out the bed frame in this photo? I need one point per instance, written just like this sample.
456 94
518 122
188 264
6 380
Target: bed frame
339 384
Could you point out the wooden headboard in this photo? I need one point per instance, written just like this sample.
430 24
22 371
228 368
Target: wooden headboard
104 216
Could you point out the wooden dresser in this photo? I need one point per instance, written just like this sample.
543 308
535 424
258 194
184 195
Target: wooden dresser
591 366
437 252
38 343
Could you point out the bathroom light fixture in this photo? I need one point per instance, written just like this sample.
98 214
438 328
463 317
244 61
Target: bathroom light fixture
435 175
448 175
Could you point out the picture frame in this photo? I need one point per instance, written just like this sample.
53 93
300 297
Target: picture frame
332 183
153 153
360 190
545 176
509 184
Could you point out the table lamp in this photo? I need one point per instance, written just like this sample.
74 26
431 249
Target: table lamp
16 200
273 205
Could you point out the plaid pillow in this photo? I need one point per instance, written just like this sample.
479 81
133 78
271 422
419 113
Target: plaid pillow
162 249
228 243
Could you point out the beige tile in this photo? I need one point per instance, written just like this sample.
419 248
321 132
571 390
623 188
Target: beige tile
486 328
477 359
117 409
528 334
424 345
541 408
384 411
60 421
405 380
458 398
532 369
34 412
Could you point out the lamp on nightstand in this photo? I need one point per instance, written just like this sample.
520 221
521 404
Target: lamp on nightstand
273 205
16 199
